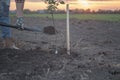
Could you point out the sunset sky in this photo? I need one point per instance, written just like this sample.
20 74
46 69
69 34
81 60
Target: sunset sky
80 4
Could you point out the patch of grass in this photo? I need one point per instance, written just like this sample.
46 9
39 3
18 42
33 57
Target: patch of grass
102 17
56 16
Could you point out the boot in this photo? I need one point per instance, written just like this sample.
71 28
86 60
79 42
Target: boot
8 43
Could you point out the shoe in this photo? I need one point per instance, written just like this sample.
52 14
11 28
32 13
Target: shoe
20 23
14 47
8 43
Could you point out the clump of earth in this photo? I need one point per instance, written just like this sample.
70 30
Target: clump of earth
49 30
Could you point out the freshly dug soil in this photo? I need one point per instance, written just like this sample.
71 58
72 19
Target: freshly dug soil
41 65
49 30
95 52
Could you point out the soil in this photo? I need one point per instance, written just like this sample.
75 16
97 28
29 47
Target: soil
49 30
95 51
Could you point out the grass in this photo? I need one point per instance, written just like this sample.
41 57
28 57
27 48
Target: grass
102 17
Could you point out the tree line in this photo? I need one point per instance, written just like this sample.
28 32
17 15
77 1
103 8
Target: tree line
73 11
100 11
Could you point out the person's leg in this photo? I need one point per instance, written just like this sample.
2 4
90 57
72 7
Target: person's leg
4 17
6 31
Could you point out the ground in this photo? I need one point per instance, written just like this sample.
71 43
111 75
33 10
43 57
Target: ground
95 48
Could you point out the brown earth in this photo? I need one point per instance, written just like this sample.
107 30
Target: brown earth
95 52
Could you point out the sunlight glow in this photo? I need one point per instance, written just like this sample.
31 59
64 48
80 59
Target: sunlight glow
84 3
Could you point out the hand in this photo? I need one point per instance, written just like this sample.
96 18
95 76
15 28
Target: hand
20 22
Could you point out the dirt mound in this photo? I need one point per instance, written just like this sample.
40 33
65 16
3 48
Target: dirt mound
49 30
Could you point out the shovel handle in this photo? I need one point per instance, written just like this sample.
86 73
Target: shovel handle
17 27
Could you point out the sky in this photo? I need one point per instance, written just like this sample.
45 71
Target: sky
74 4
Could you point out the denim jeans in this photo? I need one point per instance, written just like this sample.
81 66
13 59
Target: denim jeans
4 17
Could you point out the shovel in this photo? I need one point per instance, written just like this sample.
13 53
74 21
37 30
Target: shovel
17 27
47 30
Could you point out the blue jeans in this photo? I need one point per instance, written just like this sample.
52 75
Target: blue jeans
4 17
